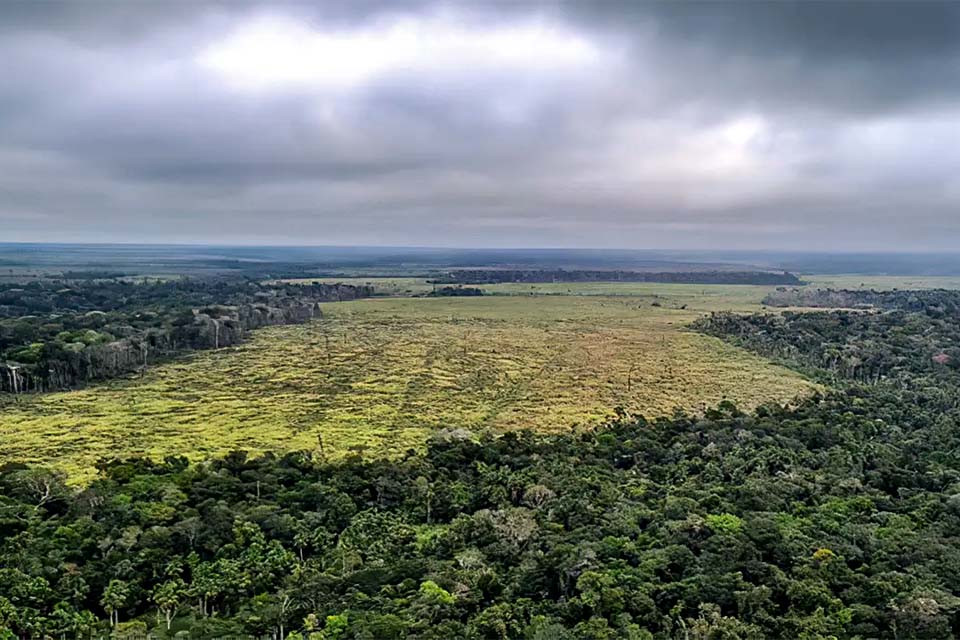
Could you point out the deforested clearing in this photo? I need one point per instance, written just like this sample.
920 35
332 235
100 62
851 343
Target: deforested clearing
377 376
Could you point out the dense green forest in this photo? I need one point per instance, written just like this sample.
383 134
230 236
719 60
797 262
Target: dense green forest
835 518
160 296
59 334
934 302
914 345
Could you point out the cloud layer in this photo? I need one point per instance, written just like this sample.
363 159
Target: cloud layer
681 125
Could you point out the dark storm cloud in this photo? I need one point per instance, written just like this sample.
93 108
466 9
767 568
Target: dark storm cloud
833 56
599 124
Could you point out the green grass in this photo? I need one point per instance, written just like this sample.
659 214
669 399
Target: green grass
382 286
883 283
704 297
726 293
378 375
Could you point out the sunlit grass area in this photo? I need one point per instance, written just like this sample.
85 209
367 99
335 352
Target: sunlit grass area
377 376
382 286
703 297
884 283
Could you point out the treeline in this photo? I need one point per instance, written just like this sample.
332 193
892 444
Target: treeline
835 519
493 276
458 291
916 344
934 302
160 296
58 337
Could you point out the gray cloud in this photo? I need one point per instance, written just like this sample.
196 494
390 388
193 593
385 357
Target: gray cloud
713 125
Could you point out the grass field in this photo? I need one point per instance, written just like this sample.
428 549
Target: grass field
702 297
738 293
884 283
378 375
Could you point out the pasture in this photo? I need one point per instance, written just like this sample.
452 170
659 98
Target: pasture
377 376
883 283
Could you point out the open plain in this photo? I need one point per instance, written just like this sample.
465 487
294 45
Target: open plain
377 376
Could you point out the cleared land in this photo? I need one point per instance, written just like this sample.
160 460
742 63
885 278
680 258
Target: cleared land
411 286
884 283
377 376
702 297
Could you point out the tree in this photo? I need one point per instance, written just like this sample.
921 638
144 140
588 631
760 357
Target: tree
114 598
168 597
40 486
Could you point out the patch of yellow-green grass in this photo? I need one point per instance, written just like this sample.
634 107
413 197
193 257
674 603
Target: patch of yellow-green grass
382 286
883 283
709 297
728 297
378 375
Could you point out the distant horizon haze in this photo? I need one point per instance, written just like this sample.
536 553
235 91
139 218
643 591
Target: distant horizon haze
469 248
396 260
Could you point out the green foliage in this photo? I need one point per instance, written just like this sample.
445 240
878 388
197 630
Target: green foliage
913 344
725 523
336 627
833 518
430 592
30 354
58 338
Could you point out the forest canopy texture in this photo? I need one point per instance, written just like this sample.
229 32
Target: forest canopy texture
835 518
62 334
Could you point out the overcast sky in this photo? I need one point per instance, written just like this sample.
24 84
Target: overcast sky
586 124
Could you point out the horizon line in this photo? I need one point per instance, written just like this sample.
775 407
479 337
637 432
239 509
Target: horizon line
475 248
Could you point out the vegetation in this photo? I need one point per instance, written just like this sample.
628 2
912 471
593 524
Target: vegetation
490 276
933 302
701 297
882 283
834 519
159 296
454 292
57 335
916 345
379 375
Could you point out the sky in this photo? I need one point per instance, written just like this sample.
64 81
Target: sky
761 125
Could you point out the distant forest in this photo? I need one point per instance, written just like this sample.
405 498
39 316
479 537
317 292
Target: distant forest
493 276
455 292
932 301
914 344
313 261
